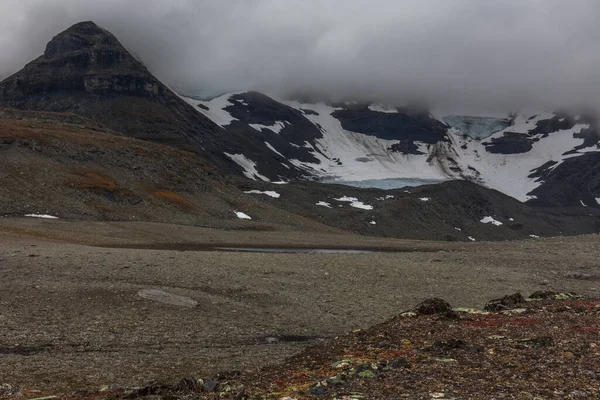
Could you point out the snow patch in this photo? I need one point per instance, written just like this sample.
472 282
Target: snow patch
373 223
509 173
277 127
425 198
386 197
338 150
273 149
280 183
242 215
215 108
324 204
472 239
458 229
598 200
269 193
248 166
355 203
45 216
534 236
582 203
488 220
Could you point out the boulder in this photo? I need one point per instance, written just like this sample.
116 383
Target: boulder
433 306
505 303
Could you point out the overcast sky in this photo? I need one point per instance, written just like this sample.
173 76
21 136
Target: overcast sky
457 54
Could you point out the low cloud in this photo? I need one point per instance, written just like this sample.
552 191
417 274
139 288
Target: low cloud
470 55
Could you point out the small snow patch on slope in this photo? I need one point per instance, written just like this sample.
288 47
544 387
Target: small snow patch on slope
273 149
248 166
214 108
45 216
373 223
490 220
582 203
383 109
425 199
324 204
269 193
598 200
242 215
277 127
355 203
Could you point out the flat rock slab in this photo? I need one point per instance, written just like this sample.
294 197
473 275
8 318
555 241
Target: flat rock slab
167 298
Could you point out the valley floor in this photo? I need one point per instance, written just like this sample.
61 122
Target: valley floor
71 316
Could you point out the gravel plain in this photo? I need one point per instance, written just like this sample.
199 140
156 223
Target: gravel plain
71 317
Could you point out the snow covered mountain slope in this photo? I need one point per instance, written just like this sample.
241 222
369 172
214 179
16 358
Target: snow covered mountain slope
529 157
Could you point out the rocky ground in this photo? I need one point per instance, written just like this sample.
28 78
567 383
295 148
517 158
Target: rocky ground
79 313
542 347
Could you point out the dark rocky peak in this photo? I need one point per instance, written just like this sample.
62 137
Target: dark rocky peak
84 36
83 59
87 47
86 71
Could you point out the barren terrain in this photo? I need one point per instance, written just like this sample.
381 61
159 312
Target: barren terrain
71 316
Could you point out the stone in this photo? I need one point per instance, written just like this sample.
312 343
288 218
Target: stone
433 306
543 294
211 386
505 303
189 385
539 342
318 390
7 390
367 374
399 362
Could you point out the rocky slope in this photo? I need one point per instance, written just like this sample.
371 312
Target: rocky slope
455 211
100 174
67 166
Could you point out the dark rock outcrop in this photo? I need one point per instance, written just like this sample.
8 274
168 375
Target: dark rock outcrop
510 143
405 125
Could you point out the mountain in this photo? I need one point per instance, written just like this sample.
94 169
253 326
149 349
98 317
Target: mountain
549 159
85 70
87 132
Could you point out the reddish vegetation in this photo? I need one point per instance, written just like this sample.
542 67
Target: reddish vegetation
174 198
96 181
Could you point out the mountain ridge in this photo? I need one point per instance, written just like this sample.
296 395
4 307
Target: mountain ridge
535 158
352 146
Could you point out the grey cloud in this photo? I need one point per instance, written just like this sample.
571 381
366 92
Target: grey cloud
482 55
